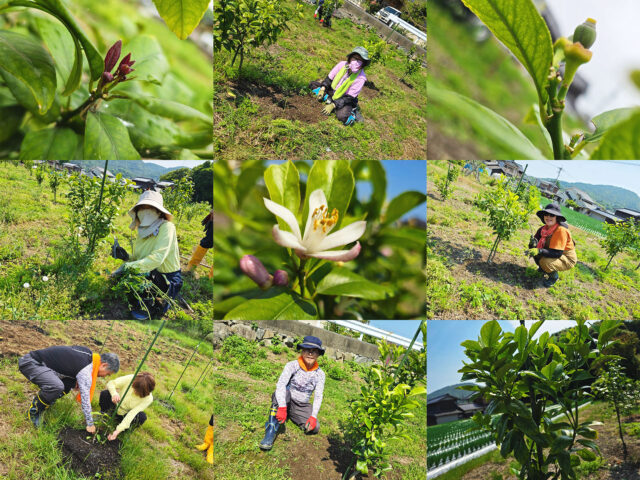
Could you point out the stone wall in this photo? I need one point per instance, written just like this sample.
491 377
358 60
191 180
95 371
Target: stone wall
338 347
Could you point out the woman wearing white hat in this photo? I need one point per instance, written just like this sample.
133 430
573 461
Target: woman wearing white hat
155 252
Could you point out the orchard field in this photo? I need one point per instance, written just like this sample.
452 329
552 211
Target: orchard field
163 447
462 285
33 231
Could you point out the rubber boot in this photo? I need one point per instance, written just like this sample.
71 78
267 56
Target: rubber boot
208 444
211 272
36 411
553 278
271 430
196 257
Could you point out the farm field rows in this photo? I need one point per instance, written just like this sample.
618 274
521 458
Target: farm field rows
453 440
462 285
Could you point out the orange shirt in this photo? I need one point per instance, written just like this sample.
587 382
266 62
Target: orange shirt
561 239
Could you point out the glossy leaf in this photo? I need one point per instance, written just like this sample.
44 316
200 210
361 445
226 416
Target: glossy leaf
10 118
24 59
106 138
521 338
151 63
50 144
275 304
620 142
489 123
606 120
283 183
182 16
173 110
402 204
490 333
344 282
335 179
521 28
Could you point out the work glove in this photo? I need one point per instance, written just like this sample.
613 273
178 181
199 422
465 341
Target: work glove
310 425
207 219
118 252
532 242
281 414
325 98
350 120
119 271
329 108
318 92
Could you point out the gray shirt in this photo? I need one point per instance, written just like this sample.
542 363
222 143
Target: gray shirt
301 384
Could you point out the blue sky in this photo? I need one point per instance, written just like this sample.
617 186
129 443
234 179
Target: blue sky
619 173
406 328
445 355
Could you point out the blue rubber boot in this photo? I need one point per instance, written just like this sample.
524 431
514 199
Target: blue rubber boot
36 411
271 430
553 278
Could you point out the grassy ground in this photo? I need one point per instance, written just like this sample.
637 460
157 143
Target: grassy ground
244 381
32 228
461 285
270 114
610 466
485 72
162 448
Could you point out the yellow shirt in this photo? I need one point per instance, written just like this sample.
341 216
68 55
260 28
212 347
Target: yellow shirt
132 404
157 251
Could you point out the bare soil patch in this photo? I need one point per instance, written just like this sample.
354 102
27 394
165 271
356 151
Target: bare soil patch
89 458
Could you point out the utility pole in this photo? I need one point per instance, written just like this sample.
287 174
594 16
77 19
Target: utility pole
559 170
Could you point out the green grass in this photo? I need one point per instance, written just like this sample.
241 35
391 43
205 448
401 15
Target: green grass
395 118
162 448
32 246
242 401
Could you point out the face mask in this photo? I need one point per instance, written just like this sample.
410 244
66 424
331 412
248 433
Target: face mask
147 217
355 65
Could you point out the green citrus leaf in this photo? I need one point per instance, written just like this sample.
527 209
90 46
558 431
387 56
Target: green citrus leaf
49 144
488 122
151 63
27 61
606 120
169 109
402 204
106 138
620 142
181 16
521 28
342 281
274 304
335 179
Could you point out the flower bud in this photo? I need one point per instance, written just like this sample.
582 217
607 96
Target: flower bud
107 77
585 33
254 269
112 56
280 278
577 53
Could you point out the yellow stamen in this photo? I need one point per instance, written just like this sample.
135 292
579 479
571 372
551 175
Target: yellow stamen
322 218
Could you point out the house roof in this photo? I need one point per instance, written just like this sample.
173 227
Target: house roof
452 391
605 214
628 211
143 179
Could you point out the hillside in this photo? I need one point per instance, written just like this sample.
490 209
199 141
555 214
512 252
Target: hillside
129 168
35 244
245 378
606 195
462 285
161 448
452 390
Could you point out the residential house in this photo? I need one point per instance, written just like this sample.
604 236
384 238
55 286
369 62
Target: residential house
601 215
72 167
98 172
163 185
626 213
508 168
144 183
548 189
450 404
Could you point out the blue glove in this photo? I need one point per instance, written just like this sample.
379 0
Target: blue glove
315 91
326 97
351 120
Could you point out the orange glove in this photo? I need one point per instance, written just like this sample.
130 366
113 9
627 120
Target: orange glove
310 425
281 414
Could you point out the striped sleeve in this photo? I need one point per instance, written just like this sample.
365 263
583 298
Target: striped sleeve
319 392
283 381
84 385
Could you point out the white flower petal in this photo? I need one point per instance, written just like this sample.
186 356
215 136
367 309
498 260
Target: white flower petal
286 239
316 200
285 214
345 235
338 255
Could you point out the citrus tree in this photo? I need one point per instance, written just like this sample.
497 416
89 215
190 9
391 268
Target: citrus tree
534 388
620 237
444 183
177 199
507 211
55 179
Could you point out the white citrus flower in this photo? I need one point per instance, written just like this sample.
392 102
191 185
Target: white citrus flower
26 285
316 241
45 279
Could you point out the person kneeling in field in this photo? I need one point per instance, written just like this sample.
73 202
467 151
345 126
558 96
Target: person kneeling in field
155 253
56 370
137 399
343 84
299 379
207 445
556 248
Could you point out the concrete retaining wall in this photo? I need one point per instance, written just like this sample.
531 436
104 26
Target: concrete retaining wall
338 347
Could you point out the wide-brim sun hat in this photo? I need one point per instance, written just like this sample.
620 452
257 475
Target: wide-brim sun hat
363 53
311 342
552 209
153 199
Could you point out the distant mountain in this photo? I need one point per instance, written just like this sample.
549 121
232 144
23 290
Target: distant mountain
608 196
129 168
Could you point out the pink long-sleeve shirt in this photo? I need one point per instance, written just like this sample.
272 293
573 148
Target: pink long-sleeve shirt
356 86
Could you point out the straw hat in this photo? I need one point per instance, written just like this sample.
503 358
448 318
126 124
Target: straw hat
153 199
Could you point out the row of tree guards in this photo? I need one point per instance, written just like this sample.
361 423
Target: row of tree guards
165 402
